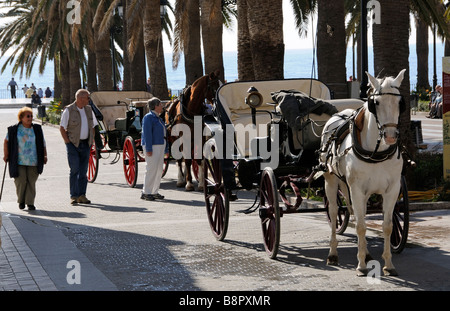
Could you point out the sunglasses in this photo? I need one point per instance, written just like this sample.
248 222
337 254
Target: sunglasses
28 116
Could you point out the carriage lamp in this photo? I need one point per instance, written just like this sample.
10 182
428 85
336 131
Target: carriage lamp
254 98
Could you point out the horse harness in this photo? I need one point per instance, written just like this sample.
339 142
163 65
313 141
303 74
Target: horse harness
353 125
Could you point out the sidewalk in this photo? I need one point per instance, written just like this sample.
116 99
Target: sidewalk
33 260
34 254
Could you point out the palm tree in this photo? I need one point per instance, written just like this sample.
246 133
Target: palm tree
331 49
265 37
245 59
391 56
40 30
103 47
145 16
422 53
187 39
212 25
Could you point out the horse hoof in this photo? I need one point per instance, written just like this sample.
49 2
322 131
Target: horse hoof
332 260
390 272
200 189
190 188
180 185
361 272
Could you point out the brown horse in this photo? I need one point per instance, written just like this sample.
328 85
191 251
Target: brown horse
180 117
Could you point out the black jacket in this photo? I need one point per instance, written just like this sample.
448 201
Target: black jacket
13 149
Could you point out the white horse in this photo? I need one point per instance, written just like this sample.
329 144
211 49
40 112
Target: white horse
367 161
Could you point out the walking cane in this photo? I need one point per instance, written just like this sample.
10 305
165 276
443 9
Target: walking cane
3 181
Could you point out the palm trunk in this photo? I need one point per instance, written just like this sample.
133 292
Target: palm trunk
92 72
265 24
331 49
245 59
391 51
193 65
65 83
75 79
103 58
126 79
154 49
137 67
422 54
212 29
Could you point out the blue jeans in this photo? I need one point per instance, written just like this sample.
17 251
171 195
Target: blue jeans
78 162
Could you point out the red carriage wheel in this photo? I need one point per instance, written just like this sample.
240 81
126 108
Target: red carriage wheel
130 162
269 212
93 164
400 219
216 198
343 215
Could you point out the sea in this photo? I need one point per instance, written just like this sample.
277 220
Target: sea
298 63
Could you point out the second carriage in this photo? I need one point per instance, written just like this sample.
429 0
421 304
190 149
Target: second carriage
233 161
119 115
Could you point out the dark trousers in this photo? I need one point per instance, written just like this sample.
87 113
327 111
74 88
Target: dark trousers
78 158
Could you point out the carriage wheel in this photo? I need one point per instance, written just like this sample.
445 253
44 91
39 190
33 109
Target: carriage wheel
269 212
343 215
400 219
165 165
216 198
130 167
93 164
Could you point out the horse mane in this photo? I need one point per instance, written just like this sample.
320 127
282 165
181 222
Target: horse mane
172 107
197 92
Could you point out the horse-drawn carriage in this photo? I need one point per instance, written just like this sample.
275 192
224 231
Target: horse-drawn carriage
119 115
266 135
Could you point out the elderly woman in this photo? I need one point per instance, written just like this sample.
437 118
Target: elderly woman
153 141
24 149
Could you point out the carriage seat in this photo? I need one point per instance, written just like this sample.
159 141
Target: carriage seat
106 102
306 116
111 114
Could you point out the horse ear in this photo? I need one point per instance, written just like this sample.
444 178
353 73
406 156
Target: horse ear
214 74
398 80
373 81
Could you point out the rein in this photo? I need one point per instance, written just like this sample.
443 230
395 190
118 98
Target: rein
374 156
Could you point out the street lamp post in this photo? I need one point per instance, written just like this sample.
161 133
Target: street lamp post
113 31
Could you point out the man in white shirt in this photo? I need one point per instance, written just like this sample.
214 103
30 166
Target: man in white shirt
77 130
